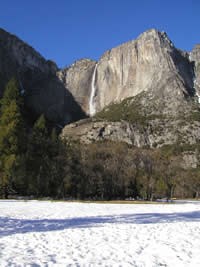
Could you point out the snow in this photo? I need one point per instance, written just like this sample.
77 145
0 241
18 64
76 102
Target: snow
45 233
92 108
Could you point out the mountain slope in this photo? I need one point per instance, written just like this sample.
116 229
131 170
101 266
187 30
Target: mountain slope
146 94
164 80
195 60
43 91
150 64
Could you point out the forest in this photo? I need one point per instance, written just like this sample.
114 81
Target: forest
35 162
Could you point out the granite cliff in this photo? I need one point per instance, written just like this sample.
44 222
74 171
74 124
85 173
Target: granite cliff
43 91
145 92
150 64
78 79
195 59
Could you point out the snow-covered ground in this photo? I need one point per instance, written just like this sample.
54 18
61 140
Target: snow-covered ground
37 233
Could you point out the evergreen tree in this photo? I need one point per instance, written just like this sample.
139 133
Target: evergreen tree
37 157
11 135
45 161
59 166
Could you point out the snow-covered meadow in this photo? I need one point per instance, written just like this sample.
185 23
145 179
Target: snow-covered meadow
42 233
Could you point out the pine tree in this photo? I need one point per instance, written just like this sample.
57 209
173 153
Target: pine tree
37 158
40 126
11 135
44 161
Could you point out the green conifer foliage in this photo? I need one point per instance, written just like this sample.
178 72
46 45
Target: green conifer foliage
40 126
44 165
11 135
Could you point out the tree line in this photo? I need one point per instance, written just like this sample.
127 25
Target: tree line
35 162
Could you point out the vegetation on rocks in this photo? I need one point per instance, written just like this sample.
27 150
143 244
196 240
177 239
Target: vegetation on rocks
34 161
159 125
130 109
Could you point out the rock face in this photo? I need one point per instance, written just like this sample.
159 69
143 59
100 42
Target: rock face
78 78
17 57
167 79
151 64
43 91
145 92
160 88
195 59
23 55
154 134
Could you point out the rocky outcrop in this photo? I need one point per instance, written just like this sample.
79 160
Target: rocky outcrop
43 91
155 133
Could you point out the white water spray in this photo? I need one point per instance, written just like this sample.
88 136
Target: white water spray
196 93
198 97
92 109
22 91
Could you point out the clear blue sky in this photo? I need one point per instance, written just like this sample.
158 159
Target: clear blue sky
66 30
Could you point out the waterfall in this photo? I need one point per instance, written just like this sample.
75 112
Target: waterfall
22 91
92 109
198 96
196 92
21 88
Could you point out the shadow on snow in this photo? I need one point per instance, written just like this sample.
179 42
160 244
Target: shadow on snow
10 226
